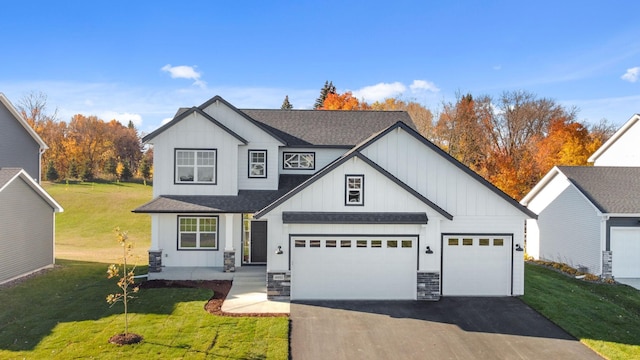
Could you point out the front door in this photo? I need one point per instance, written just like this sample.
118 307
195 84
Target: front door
258 251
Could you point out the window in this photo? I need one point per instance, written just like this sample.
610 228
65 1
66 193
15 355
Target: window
195 166
484 242
314 243
376 243
467 242
453 242
300 161
198 233
361 243
354 190
330 243
498 242
301 243
407 243
345 243
392 243
257 163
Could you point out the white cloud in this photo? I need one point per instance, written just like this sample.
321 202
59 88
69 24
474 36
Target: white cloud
165 120
122 118
631 75
185 72
423 85
379 92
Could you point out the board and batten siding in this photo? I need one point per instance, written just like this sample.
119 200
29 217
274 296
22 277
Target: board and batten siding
17 147
26 231
195 132
327 194
569 230
624 151
165 238
436 177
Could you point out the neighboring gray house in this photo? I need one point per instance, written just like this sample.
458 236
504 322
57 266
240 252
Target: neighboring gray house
27 212
27 223
20 146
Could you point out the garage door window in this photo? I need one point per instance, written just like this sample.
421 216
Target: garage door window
345 243
453 242
407 243
330 243
484 242
392 243
498 242
314 243
467 242
301 243
361 243
376 243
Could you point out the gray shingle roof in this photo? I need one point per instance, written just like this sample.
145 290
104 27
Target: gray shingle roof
247 201
289 217
7 174
613 190
327 127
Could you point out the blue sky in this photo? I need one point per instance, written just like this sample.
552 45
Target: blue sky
142 60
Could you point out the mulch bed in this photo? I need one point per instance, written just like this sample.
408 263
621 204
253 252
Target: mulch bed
220 290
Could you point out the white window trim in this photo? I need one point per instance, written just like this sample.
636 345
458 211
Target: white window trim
263 163
195 152
198 233
348 190
293 160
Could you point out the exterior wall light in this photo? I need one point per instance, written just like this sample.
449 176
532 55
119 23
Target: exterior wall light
429 251
518 248
279 251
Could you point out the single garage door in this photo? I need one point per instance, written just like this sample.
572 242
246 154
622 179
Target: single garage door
476 265
625 249
353 268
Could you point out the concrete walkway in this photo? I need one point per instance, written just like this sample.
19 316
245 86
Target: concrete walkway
248 293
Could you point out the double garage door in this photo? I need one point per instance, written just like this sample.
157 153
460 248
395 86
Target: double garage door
385 267
625 249
350 268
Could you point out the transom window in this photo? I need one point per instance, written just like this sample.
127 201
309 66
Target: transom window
195 166
299 160
354 190
198 233
257 163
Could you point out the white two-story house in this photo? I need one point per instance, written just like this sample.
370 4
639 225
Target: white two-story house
336 204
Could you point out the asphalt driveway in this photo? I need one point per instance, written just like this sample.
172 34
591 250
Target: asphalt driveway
452 328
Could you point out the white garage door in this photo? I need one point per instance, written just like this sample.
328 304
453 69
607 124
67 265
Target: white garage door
476 265
353 268
625 249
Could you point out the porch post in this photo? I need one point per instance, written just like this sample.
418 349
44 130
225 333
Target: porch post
229 252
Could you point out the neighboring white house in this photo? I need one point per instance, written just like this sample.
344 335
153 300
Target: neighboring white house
27 212
623 148
589 216
337 204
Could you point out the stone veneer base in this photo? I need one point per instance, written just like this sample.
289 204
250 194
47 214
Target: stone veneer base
279 285
428 286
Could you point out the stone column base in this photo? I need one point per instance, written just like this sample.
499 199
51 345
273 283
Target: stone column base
607 270
155 260
279 285
428 286
229 261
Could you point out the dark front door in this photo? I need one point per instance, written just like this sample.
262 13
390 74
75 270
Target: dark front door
258 242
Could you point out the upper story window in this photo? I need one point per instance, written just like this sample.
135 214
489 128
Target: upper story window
299 160
257 163
195 166
198 233
354 190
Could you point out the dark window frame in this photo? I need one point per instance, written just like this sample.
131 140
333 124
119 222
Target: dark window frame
346 190
198 217
250 162
195 151
299 153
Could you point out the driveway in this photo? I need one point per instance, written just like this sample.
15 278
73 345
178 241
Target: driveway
452 328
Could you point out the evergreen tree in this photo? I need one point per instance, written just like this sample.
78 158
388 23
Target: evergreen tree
286 105
327 89
145 169
73 169
87 172
110 166
126 171
52 173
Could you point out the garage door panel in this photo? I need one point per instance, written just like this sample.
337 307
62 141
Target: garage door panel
625 249
476 265
371 271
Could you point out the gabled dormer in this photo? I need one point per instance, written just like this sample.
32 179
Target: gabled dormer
622 148
20 145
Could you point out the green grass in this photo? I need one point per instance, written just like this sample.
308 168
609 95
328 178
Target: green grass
63 314
84 231
604 317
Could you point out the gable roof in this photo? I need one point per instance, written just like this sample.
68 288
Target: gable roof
303 128
182 115
327 169
8 175
618 134
22 121
452 160
613 190
336 128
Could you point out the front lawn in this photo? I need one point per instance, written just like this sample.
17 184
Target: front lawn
604 317
63 314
